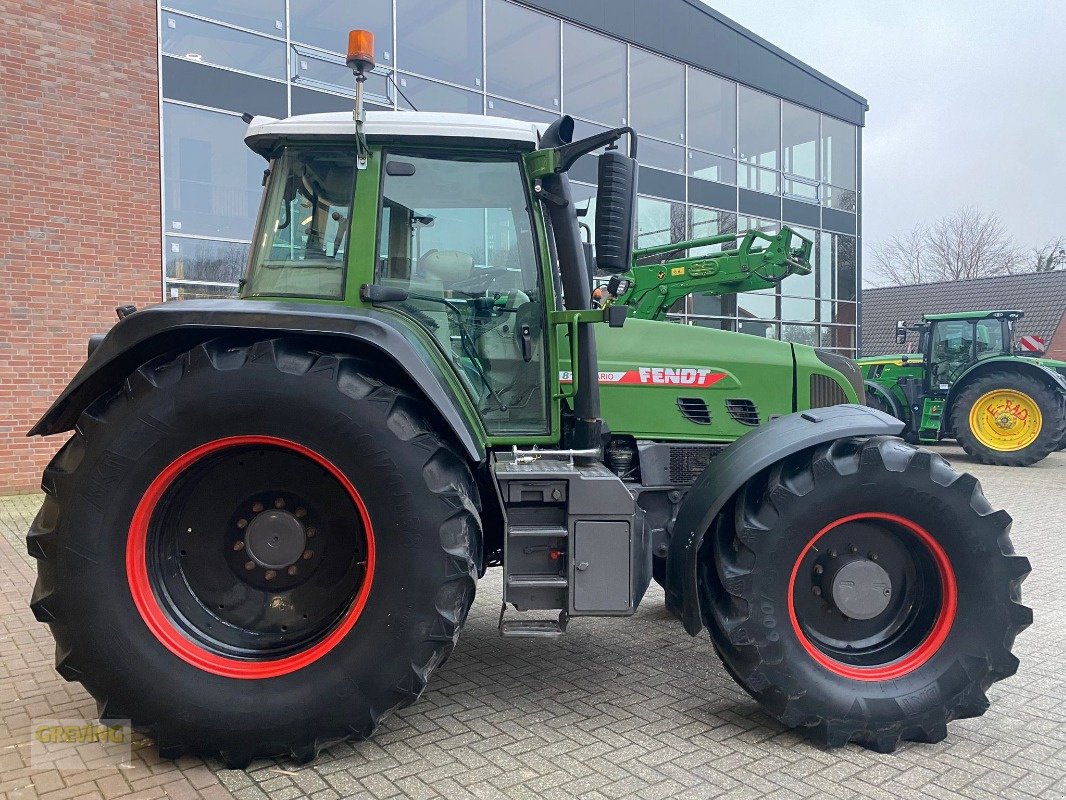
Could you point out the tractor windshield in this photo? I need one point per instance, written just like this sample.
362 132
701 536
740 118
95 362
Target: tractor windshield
303 231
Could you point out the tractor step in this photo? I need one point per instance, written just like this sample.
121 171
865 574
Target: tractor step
532 628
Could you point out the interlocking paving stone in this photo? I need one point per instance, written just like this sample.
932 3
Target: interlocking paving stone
614 709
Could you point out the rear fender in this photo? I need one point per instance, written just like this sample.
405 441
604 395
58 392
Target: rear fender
1038 371
178 326
741 461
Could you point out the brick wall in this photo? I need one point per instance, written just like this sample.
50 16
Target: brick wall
79 167
1057 344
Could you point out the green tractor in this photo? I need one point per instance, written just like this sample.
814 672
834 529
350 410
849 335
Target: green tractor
266 529
966 382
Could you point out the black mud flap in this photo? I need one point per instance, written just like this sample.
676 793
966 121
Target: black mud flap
728 471
177 326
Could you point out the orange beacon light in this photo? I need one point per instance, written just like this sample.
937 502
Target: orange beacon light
360 51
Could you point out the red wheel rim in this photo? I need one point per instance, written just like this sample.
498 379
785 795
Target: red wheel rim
926 648
161 626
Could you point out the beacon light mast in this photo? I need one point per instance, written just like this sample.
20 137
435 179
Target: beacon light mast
360 60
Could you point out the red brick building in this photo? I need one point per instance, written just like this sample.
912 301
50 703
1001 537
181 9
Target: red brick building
81 176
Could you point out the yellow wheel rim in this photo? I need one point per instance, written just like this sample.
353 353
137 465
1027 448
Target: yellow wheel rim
1005 420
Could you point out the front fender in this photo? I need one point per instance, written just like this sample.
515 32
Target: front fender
180 325
739 462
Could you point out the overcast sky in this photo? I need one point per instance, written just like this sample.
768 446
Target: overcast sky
967 101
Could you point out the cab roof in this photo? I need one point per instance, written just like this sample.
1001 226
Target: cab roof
264 132
1009 314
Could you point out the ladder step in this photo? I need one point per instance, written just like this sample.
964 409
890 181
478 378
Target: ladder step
531 629
541 531
537 581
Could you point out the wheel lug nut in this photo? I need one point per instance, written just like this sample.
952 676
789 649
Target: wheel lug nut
238 546
853 549
242 524
816 591
292 570
249 565
301 512
832 553
818 569
279 503
873 556
310 532
257 507
270 575
308 554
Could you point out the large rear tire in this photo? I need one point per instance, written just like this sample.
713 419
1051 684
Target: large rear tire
1008 418
871 594
255 551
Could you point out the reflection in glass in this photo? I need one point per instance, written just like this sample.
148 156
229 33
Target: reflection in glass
653 153
656 96
711 222
323 24
265 16
433 96
659 222
712 168
712 113
800 334
212 180
760 127
330 72
801 285
205 260
440 40
594 76
838 152
207 43
799 133
522 54
505 108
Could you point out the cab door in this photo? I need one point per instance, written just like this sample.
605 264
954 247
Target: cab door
456 232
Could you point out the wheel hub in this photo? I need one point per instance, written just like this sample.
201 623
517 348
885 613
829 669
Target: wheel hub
275 539
860 589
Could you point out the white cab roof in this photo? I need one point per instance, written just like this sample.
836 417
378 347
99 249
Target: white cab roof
263 131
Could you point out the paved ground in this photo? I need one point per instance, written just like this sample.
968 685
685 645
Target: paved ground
628 708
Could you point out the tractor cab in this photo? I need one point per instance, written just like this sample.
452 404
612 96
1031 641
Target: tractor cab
952 343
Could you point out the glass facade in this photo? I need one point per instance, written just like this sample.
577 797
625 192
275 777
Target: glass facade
717 156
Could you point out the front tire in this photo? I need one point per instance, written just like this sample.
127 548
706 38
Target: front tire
255 551
1008 418
869 593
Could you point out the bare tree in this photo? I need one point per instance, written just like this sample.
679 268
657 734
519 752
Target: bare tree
965 244
1050 257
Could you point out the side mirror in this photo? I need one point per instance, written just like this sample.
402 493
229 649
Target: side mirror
901 332
616 200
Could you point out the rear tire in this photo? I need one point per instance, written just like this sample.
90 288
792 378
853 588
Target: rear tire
239 666
897 667
995 430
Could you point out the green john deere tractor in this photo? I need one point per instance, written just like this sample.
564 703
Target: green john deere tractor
966 382
267 526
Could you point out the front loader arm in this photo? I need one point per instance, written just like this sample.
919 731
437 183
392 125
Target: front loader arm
759 262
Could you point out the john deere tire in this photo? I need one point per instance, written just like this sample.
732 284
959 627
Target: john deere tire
255 551
871 594
1008 418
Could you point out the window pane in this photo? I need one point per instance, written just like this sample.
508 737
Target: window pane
267 16
466 257
842 199
522 54
661 155
845 266
711 222
712 168
799 132
440 40
594 76
176 290
304 233
213 181
433 96
325 23
659 222
656 96
323 71
760 126
800 334
838 152
204 260
758 179
712 113
505 108
766 330
207 43
762 303
802 285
